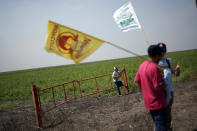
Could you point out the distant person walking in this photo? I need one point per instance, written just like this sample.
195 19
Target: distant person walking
167 70
116 78
149 80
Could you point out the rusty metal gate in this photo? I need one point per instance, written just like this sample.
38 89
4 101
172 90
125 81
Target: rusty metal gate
37 101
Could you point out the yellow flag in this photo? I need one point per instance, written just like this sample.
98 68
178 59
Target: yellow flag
70 43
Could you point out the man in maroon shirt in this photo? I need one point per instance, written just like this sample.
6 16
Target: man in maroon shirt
149 80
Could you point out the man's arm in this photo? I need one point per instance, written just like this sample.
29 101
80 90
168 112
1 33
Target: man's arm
176 70
117 76
137 81
161 87
138 84
157 80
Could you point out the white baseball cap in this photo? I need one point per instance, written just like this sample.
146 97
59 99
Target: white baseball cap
115 68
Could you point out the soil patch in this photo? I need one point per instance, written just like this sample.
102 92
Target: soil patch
125 113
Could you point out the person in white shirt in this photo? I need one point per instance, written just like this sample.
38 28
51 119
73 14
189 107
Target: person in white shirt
167 70
116 78
165 66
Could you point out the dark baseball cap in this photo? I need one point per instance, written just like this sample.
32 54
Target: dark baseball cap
154 50
163 47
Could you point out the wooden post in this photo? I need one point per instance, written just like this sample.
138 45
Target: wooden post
128 51
144 35
36 106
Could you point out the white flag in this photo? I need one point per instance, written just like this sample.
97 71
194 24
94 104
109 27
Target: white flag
126 18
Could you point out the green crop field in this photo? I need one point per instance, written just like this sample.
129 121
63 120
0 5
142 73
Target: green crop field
15 87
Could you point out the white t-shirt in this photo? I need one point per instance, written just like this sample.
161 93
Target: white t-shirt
167 77
115 73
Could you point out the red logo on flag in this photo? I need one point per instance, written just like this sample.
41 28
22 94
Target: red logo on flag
64 42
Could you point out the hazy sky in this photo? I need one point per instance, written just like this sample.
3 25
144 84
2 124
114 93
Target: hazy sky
23 27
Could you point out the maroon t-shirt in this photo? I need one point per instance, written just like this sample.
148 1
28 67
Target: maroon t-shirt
149 77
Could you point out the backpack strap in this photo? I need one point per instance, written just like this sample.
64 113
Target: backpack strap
168 62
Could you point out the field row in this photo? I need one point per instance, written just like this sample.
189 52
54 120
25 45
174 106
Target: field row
15 86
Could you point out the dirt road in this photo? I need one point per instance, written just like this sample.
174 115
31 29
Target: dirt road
125 113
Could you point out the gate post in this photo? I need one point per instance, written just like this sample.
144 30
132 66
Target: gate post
125 81
36 106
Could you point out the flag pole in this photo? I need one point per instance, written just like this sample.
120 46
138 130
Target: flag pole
128 51
144 35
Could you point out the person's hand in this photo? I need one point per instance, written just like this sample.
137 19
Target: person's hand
161 71
172 98
177 70
117 77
